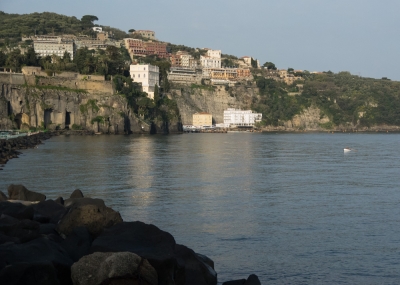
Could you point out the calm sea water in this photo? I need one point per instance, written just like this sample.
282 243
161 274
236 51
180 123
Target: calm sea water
291 208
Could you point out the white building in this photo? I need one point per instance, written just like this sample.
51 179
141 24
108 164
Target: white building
212 59
148 75
97 29
49 45
236 117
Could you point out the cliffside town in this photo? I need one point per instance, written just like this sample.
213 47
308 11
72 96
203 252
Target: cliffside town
104 80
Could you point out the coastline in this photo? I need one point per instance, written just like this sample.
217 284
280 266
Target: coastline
80 240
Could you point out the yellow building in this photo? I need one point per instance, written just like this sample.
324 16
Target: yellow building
202 119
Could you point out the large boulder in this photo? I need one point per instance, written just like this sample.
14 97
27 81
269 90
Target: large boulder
78 243
76 194
3 196
175 264
37 251
104 268
251 280
16 210
147 241
196 271
19 192
20 230
29 273
88 212
48 212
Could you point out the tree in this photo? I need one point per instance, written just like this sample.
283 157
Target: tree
14 60
132 30
31 58
290 70
269 65
87 21
3 58
156 95
254 63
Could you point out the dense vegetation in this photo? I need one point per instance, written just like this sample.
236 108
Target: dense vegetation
14 26
344 98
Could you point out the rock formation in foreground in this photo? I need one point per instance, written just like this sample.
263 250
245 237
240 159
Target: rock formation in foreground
81 241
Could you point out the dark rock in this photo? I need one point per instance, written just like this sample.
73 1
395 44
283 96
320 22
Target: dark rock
29 274
145 240
235 282
23 231
48 212
206 260
76 194
196 271
59 200
47 229
3 196
38 251
16 210
19 192
104 268
175 264
252 280
78 243
91 213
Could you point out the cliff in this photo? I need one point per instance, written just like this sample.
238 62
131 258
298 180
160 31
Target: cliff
28 102
212 99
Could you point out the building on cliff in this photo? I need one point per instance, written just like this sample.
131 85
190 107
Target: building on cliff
183 59
49 45
141 48
240 118
185 75
202 119
147 75
212 59
147 34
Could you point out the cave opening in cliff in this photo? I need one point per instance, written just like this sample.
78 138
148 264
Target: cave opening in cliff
18 121
47 117
9 109
67 119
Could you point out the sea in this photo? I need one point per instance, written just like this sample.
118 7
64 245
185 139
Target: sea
292 208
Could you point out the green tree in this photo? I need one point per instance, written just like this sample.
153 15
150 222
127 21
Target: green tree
269 65
3 58
87 20
14 60
132 30
31 57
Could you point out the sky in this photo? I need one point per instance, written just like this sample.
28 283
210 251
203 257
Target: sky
359 36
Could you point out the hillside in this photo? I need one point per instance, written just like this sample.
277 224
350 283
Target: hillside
318 101
14 26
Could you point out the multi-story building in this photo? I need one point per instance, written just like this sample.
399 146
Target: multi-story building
49 45
240 118
183 59
151 35
248 61
226 73
147 75
184 75
138 47
202 119
212 59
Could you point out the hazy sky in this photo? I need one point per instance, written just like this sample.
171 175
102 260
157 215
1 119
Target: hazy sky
360 36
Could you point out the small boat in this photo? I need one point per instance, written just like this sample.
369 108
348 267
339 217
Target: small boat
347 149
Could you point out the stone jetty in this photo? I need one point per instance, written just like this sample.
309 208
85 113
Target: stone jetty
10 148
81 241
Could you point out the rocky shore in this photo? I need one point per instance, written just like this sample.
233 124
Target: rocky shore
80 241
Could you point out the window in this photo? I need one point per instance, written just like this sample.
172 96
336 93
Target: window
138 75
144 75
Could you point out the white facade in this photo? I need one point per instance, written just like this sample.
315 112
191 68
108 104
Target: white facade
97 29
148 75
48 45
237 117
212 59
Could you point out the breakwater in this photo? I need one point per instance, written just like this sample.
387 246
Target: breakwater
10 148
80 240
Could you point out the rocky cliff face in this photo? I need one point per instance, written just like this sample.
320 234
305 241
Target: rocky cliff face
24 107
310 119
213 100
